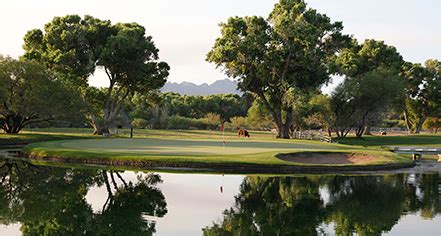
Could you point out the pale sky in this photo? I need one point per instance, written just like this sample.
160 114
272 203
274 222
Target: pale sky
184 31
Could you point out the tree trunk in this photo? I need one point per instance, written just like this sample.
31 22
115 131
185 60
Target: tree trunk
419 125
347 132
100 131
99 128
407 122
367 130
342 132
283 128
13 123
283 132
359 131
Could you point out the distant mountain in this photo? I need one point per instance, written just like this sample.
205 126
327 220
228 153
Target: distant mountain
188 88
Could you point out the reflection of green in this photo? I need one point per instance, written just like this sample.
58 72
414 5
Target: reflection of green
365 205
51 201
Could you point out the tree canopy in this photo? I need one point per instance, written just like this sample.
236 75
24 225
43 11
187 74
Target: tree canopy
74 47
358 59
423 93
362 100
29 94
273 58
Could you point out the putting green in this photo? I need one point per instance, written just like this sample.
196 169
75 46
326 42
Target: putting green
202 150
189 147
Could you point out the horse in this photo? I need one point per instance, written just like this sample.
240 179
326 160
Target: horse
243 132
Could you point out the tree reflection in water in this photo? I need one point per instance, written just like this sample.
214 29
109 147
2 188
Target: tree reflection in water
52 201
365 205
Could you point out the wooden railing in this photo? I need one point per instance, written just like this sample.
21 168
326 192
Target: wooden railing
312 136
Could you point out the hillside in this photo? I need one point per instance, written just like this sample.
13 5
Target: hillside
188 88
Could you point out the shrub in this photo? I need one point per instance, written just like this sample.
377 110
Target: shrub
179 122
139 123
240 122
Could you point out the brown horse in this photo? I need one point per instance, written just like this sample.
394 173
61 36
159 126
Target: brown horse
243 132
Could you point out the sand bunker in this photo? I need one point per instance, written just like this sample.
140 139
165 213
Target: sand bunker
328 158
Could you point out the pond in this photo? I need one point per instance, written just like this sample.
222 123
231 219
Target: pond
46 200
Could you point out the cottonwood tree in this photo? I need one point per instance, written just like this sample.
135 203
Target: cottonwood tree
366 57
273 58
363 99
360 59
75 47
423 93
29 94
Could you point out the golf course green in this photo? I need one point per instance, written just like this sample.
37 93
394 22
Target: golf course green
208 150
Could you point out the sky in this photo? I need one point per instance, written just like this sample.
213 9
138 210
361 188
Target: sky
184 31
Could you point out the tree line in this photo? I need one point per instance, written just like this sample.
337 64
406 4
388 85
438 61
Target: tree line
286 57
280 62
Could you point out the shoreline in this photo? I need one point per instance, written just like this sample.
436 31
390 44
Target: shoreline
227 168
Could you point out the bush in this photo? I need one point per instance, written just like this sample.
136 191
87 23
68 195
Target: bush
433 124
238 122
139 123
213 119
179 122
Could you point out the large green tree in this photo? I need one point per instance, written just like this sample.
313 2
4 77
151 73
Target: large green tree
75 47
29 94
366 57
359 61
363 100
423 95
275 57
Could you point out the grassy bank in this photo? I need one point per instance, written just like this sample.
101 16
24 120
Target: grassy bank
195 147
402 140
206 147
39 135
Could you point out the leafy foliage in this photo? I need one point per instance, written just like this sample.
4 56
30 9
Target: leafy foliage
29 94
423 93
74 47
362 100
273 58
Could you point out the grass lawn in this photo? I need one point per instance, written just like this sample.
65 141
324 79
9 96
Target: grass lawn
190 146
402 140
38 135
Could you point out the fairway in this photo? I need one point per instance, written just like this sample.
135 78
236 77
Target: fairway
186 147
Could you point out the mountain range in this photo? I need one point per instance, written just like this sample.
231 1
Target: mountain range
188 88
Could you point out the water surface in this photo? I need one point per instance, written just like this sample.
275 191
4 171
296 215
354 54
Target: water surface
44 200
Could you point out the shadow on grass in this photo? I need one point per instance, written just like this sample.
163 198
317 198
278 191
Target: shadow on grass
410 140
25 138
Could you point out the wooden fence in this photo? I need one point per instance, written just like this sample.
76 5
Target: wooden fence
312 136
